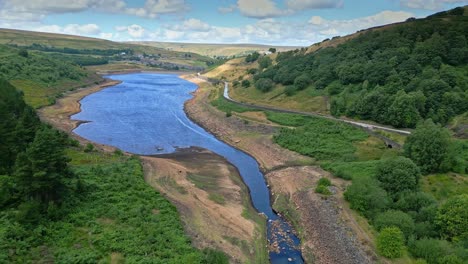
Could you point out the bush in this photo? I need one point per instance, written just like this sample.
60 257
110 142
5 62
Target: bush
301 82
399 219
414 201
390 242
264 84
397 175
290 90
324 182
430 249
367 197
452 218
322 190
428 146
265 62
245 83
89 147
211 256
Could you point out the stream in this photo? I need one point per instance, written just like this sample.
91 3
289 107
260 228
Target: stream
145 115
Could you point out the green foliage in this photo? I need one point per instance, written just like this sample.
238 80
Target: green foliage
116 213
301 82
352 170
390 242
430 249
211 256
224 105
272 50
414 201
394 218
245 83
89 147
322 186
452 218
321 138
324 182
428 146
397 175
286 119
252 57
264 84
367 197
397 75
265 62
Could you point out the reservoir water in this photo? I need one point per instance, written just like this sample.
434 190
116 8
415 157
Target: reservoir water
144 115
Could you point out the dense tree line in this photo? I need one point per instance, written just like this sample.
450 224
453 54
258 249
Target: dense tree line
19 64
101 52
34 169
397 75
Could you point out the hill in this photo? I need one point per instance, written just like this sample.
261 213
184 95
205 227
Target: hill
214 50
397 75
112 52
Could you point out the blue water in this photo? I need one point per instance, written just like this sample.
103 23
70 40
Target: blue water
144 115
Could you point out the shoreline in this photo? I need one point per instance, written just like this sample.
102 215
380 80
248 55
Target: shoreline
59 116
328 231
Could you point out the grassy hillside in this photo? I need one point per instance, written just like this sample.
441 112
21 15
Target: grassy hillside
212 50
151 57
396 75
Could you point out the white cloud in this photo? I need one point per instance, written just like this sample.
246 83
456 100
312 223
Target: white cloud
330 28
259 8
298 5
71 29
430 4
191 24
108 36
22 10
134 31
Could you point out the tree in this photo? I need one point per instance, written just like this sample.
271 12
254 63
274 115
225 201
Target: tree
367 197
397 175
452 218
428 146
395 218
390 242
265 62
264 84
245 83
41 172
301 82
252 57
272 50
403 112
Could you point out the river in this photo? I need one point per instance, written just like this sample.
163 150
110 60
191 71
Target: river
144 115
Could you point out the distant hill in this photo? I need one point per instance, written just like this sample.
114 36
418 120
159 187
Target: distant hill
218 50
397 74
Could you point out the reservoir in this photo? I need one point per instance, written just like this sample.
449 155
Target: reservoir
145 115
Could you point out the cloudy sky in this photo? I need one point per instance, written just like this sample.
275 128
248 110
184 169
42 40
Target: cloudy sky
277 22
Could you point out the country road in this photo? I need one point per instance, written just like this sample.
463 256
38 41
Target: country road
355 123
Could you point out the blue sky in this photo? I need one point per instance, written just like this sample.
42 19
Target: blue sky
276 22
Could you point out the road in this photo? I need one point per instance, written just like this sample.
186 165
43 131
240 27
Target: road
355 123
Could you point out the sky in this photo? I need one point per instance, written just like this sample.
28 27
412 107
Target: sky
274 22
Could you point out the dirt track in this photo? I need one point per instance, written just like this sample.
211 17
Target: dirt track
329 233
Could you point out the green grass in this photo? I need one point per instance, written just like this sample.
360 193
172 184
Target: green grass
352 170
322 139
217 198
204 182
286 119
443 186
117 215
224 105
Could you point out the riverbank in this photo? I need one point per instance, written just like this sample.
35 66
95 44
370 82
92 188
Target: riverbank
221 217
329 232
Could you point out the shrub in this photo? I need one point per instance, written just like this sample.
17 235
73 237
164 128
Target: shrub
89 147
290 90
397 175
324 182
301 82
390 242
245 83
452 217
366 197
322 190
427 146
265 62
399 219
430 249
264 84
414 201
